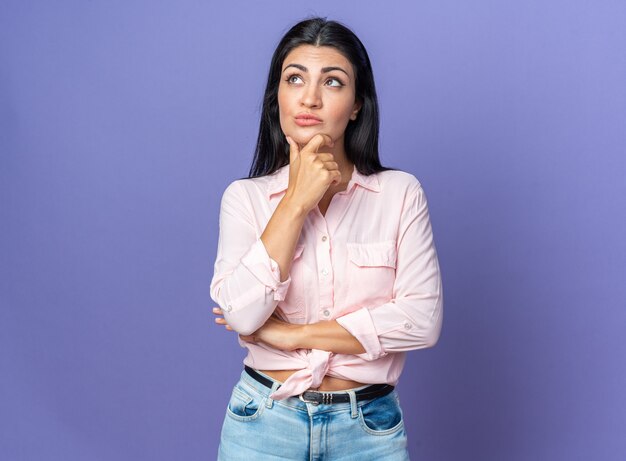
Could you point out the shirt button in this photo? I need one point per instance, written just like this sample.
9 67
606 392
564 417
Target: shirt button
324 271
407 325
326 312
229 308
324 238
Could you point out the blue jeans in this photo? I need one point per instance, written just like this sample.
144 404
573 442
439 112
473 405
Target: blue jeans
257 428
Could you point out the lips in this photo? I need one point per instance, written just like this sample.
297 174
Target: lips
307 120
309 116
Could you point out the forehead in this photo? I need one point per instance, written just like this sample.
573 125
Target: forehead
316 57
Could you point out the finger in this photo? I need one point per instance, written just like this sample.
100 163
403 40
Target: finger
337 177
318 141
325 157
294 150
217 311
331 165
221 321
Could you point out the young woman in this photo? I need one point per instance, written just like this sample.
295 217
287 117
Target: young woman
326 265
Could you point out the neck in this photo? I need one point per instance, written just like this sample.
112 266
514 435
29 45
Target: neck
345 165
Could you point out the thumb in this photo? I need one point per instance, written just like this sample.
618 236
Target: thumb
294 150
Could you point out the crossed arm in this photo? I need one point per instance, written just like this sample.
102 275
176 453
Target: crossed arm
324 335
276 247
249 288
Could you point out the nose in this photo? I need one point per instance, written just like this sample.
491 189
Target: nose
311 96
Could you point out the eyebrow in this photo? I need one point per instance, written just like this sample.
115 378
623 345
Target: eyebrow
324 69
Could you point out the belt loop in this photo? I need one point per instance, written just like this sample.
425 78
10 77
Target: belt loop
270 401
353 405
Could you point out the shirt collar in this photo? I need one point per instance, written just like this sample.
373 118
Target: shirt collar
279 180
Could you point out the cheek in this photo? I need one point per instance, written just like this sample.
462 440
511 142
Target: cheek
342 109
340 118
281 108
285 105
282 100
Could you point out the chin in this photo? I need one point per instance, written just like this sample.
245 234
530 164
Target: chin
303 139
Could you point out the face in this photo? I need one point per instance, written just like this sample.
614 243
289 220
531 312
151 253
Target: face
317 81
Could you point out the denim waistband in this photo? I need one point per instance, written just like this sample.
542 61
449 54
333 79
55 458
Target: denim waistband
295 403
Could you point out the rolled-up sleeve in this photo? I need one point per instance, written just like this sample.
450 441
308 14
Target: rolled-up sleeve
246 280
413 318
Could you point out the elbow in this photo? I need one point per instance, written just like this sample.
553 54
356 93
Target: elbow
246 313
432 337
427 335
246 319
241 325
241 321
433 332
428 329
425 338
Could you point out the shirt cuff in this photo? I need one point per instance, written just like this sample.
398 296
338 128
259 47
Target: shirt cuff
265 269
360 325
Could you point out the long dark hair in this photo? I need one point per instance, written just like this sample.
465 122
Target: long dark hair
361 135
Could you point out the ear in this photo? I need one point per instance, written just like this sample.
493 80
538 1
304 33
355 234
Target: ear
355 111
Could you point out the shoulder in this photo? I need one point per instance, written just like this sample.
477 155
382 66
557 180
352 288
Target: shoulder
398 182
249 188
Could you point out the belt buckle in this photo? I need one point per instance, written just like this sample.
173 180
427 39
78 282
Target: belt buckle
301 397
327 398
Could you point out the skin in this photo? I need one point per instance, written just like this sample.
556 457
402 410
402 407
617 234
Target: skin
316 174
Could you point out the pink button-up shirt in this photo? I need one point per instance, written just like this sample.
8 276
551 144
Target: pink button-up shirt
369 263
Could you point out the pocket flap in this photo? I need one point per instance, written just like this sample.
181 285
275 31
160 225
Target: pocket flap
373 254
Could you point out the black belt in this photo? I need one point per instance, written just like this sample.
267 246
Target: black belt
375 390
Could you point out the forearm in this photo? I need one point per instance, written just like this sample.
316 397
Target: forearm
326 336
248 281
281 234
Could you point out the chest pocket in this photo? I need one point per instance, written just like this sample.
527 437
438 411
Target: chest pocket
294 305
372 268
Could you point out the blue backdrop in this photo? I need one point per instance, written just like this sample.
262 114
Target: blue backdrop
122 122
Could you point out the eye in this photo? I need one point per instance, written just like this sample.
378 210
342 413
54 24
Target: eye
289 77
340 83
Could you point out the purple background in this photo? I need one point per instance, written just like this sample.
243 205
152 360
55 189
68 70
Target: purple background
122 122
